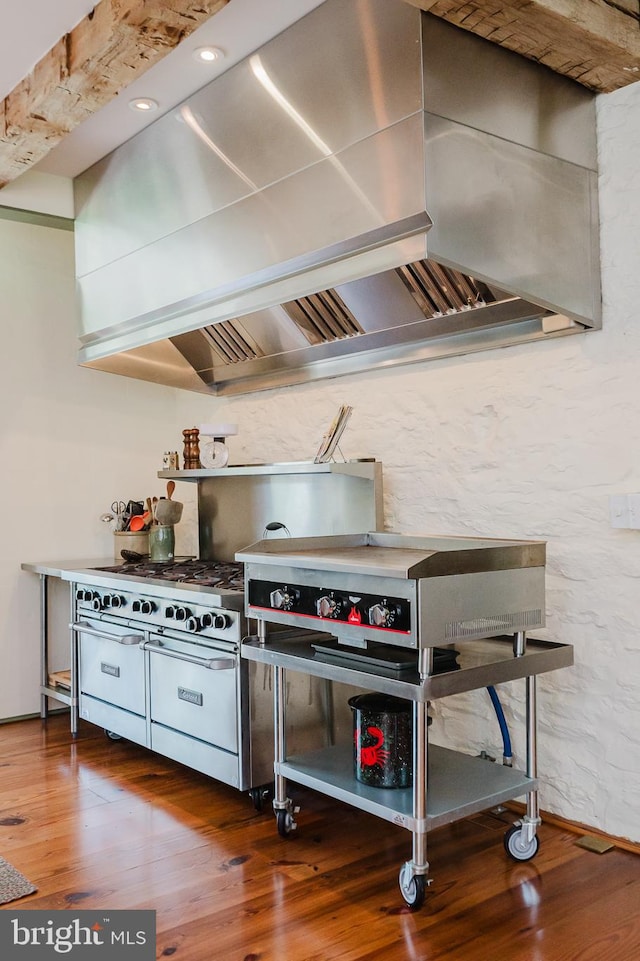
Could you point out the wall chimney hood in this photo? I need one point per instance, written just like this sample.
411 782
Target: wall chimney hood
373 186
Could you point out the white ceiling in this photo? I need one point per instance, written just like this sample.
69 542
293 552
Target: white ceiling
31 27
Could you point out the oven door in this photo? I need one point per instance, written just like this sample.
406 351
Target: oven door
112 682
194 705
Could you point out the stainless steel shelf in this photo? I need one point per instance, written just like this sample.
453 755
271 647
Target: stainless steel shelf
356 468
458 785
482 663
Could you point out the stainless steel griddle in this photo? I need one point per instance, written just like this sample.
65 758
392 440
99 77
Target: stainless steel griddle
412 591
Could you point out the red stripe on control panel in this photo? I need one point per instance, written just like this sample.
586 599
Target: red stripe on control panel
329 620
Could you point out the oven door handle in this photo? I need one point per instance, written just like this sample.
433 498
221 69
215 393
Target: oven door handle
211 663
125 639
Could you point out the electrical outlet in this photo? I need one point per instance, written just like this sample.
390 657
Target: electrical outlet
624 511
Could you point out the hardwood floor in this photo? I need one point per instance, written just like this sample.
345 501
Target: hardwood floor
101 824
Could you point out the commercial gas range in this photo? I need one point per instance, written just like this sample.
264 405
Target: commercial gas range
195 597
157 662
155 648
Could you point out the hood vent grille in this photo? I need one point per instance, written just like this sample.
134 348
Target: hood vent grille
439 290
231 342
323 318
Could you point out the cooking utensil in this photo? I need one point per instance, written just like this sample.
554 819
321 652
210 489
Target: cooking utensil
168 512
139 521
132 555
171 486
118 508
154 502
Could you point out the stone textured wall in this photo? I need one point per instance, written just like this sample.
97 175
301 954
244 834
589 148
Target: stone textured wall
524 442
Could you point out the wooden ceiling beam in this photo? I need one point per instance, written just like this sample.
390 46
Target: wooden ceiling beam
596 42
87 68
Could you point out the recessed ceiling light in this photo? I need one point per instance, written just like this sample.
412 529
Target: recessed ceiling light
143 104
207 54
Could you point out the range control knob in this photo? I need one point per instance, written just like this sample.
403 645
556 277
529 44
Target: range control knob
221 621
143 606
97 602
328 606
381 616
193 624
115 601
283 598
84 594
177 613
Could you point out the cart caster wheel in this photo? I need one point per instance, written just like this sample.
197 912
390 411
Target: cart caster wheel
113 736
258 796
285 823
517 847
413 888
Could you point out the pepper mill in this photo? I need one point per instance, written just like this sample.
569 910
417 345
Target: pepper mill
191 456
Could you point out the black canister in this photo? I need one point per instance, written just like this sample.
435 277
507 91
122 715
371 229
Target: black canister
382 740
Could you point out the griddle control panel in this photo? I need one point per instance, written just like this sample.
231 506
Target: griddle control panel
326 604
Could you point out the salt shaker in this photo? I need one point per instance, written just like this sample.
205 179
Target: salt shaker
170 460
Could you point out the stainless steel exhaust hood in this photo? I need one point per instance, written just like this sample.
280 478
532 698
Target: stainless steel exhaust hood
274 228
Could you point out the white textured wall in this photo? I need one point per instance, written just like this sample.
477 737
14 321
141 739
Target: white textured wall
524 442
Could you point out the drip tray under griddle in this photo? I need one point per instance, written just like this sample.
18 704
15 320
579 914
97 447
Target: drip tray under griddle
386 656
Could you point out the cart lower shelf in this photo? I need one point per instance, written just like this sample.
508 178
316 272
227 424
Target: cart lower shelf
457 785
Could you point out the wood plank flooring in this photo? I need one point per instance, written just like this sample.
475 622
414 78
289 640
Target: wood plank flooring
101 824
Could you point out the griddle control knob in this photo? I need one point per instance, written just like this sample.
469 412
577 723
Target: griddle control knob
381 616
327 606
221 621
283 599
143 607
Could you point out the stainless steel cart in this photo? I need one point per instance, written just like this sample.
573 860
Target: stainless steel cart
410 594
447 785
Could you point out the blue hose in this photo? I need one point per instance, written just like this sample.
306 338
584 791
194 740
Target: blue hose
506 739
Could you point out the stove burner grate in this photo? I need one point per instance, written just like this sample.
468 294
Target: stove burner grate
220 574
